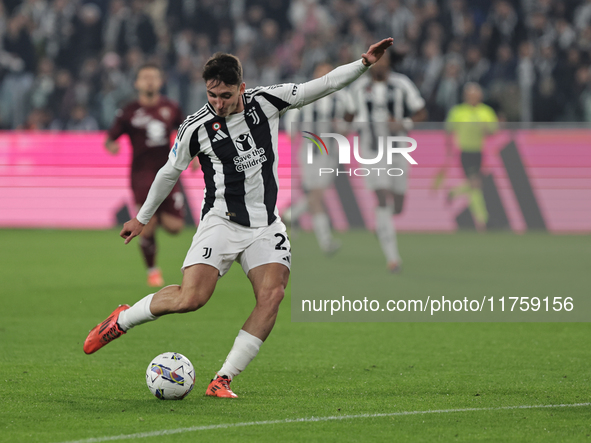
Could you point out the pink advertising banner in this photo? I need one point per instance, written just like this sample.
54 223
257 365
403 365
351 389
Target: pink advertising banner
68 180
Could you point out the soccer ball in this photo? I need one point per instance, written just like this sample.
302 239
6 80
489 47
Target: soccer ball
170 376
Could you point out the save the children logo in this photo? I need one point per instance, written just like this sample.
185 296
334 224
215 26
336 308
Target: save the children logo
249 155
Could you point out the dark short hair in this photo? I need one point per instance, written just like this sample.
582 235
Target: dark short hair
224 68
148 66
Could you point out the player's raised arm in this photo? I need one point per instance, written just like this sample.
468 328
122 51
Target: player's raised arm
343 75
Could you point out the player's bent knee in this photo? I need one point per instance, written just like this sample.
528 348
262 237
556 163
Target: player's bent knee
190 301
271 298
174 227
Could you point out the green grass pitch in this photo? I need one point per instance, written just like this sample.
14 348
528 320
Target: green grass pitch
378 378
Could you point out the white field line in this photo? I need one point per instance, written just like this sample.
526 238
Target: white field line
311 419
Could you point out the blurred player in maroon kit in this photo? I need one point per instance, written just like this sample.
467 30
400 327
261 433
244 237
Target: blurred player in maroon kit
149 122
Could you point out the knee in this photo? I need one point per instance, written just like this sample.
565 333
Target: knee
191 300
175 228
271 298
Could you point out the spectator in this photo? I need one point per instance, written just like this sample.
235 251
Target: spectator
477 67
526 77
449 89
78 120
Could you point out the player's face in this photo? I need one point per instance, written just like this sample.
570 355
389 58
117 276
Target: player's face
380 69
149 81
473 95
225 99
322 70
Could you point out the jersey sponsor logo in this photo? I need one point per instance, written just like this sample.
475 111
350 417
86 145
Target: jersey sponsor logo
165 113
252 156
244 142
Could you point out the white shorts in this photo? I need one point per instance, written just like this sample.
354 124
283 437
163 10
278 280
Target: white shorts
219 242
388 177
311 177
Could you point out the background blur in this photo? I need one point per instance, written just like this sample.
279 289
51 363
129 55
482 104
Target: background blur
67 65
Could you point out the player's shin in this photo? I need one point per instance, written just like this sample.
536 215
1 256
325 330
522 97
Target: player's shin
387 233
245 349
322 230
136 315
148 247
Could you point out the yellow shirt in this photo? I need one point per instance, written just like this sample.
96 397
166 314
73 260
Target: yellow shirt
471 124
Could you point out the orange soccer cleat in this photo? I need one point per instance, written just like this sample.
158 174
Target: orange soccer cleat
220 387
104 332
155 279
394 267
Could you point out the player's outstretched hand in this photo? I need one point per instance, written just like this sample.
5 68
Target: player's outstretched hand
131 229
112 147
375 51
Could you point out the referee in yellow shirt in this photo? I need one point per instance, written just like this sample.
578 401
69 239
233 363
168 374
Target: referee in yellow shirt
470 122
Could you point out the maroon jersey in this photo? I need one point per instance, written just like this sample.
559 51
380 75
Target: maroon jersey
149 129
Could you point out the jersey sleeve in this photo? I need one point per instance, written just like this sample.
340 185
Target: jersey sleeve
119 126
346 103
414 101
186 146
490 115
290 95
283 97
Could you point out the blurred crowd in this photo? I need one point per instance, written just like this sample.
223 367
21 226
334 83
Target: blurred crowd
69 64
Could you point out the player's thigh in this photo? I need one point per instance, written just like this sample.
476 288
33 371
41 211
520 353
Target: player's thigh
216 243
315 201
199 282
398 202
320 174
269 281
171 223
471 163
398 176
172 211
271 245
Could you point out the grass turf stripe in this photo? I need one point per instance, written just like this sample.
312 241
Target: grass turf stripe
312 419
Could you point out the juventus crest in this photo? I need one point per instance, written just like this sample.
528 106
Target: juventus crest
252 113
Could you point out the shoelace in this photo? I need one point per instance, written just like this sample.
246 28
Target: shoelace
224 381
111 334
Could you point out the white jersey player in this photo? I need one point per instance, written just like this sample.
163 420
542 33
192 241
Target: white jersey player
323 115
387 103
235 138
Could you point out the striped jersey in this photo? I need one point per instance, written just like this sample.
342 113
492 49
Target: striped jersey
321 116
238 154
378 102
397 97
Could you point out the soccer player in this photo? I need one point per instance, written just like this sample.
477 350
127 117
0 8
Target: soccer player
149 122
471 121
318 117
387 102
235 137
